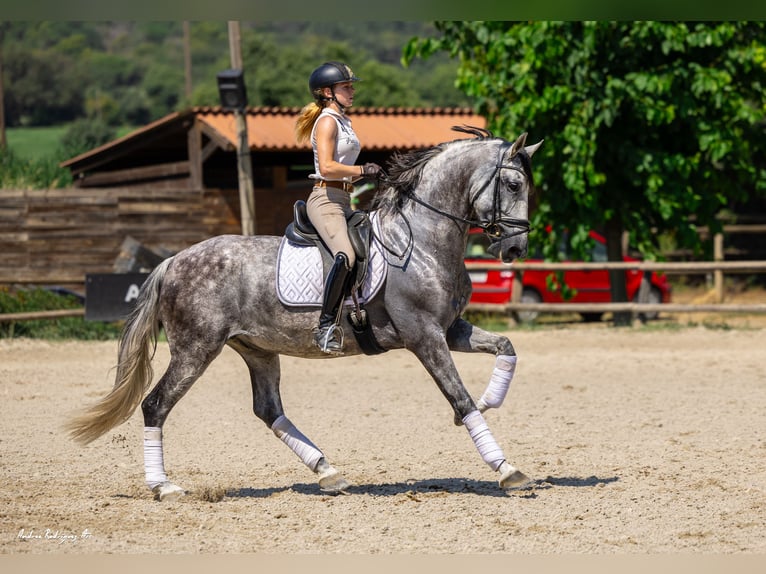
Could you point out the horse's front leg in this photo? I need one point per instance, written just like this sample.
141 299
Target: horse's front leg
435 356
464 337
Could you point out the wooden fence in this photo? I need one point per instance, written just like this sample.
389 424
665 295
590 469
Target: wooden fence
685 268
57 236
719 252
39 315
719 268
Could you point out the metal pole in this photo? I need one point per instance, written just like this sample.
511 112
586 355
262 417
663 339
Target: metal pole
244 161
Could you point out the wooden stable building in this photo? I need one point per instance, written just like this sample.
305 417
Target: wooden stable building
175 182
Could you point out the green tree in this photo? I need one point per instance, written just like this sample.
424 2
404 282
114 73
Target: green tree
278 75
273 73
84 135
132 72
650 127
42 87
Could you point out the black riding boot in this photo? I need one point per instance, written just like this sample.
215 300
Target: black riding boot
329 335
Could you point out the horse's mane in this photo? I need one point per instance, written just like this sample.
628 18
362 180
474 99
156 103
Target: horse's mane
404 169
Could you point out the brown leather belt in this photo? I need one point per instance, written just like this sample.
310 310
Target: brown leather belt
344 185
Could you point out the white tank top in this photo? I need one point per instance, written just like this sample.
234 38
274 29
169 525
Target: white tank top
347 145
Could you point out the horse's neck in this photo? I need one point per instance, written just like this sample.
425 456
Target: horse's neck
435 232
446 186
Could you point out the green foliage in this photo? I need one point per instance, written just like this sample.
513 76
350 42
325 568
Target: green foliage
651 127
31 173
133 72
84 135
272 75
40 87
63 328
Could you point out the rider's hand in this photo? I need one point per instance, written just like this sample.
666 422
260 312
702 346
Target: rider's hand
371 170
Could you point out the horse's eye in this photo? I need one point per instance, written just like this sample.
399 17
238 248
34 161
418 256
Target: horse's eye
514 186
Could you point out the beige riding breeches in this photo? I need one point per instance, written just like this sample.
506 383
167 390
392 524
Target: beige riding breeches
327 208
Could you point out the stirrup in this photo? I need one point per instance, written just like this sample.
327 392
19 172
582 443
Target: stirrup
327 341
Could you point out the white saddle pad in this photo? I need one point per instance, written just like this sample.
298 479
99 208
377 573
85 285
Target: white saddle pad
300 277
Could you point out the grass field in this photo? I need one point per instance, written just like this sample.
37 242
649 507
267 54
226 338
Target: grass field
41 142
34 143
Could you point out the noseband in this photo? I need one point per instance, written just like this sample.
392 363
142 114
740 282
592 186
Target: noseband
495 227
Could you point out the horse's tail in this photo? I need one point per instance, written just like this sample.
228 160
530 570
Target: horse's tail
138 343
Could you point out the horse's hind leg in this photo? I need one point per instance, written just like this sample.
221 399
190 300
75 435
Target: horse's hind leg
267 406
177 380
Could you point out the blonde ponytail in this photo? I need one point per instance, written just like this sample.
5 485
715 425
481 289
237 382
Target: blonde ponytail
305 122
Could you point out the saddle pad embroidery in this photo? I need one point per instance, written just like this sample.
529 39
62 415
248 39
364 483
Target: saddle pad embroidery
300 277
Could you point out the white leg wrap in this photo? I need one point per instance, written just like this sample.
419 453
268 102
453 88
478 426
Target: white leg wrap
499 383
485 443
298 443
154 464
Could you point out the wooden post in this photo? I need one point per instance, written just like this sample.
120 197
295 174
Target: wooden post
187 62
244 161
517 286
194 147
3 140
643 293
718 273
246 193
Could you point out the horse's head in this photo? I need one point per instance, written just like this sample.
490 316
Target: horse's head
501 200
481 182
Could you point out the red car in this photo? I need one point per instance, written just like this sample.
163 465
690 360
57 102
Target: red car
495 286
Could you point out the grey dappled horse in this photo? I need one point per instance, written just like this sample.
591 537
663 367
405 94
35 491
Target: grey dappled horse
221 291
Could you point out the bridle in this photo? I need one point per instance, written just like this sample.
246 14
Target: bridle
495 227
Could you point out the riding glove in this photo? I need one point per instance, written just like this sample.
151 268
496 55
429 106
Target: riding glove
371 169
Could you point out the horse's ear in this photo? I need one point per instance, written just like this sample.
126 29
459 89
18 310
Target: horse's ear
531 149
518 144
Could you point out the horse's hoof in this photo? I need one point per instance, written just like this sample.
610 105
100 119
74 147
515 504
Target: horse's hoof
513 478
167 491
332 482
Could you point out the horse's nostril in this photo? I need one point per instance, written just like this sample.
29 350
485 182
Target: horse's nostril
514 252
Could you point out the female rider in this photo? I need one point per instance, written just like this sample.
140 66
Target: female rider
336 148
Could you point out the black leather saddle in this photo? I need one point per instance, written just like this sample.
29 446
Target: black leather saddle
301 231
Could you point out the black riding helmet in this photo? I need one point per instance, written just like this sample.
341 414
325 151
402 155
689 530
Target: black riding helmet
327 75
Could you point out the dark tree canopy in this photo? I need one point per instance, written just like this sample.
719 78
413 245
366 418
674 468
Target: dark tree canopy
131 73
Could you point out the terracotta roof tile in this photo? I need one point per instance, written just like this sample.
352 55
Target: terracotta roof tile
270 129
